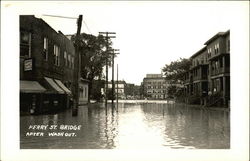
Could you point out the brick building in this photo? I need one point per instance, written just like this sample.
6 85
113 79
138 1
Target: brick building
208 81
121 88
46 66
155 86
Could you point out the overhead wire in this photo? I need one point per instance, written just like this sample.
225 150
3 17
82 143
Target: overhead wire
69 18
87 27
60 16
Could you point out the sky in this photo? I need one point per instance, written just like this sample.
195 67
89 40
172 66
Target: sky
148 34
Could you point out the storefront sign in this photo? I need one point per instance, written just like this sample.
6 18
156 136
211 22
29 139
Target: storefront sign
28 64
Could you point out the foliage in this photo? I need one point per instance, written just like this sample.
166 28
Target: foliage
110 95
174 91
175 71
96 93
94 56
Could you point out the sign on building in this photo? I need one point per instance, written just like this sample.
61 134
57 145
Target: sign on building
28 64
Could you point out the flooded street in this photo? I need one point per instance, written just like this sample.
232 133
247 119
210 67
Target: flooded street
132 126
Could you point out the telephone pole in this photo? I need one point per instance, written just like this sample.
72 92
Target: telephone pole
77 67
113 83
107 35
117 89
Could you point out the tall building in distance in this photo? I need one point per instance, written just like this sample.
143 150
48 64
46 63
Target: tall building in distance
155 86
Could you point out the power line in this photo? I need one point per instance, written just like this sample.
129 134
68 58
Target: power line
61 16
87 27
69 18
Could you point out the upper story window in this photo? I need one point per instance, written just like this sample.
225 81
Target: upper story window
65 58
209 52
25 43
228 45
45 48
69 61
57 55
216 48
72 62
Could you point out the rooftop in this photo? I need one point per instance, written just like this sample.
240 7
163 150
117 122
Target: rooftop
199 52
216 36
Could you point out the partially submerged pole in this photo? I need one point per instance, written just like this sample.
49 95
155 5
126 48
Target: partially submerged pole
77 67
117 89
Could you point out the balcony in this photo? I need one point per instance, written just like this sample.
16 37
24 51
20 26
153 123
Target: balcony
220 71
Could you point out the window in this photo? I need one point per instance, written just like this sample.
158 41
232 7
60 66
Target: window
72 62
56 55
221 62
65 58
85 92
45 48
25 44
228 45
69 61
216 48
209 53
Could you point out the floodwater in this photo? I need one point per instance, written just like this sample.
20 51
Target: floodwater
132 126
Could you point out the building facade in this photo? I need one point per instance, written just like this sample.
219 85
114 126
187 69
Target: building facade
155 86
47 60
208 81
121 88
83 91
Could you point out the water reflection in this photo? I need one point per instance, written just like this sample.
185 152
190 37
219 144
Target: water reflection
134 126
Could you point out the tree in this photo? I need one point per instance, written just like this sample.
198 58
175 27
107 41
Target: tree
175 71
174 91
94 55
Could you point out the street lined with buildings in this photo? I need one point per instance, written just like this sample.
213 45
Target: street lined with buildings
62 81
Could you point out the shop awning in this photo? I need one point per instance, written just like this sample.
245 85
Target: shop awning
31 87
63 86
54 85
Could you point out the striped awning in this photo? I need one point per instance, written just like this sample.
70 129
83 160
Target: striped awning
31 87
63 86
54 85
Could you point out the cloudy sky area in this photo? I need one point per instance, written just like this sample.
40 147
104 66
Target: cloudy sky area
148 34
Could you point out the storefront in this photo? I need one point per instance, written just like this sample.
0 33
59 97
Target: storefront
50 95
31 93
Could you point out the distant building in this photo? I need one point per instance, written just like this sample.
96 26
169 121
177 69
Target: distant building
83 91
196 80
155 86
121 88
208 80
132 91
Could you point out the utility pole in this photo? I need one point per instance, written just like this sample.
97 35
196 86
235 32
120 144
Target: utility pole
77 66
117 88
108 35
113 83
